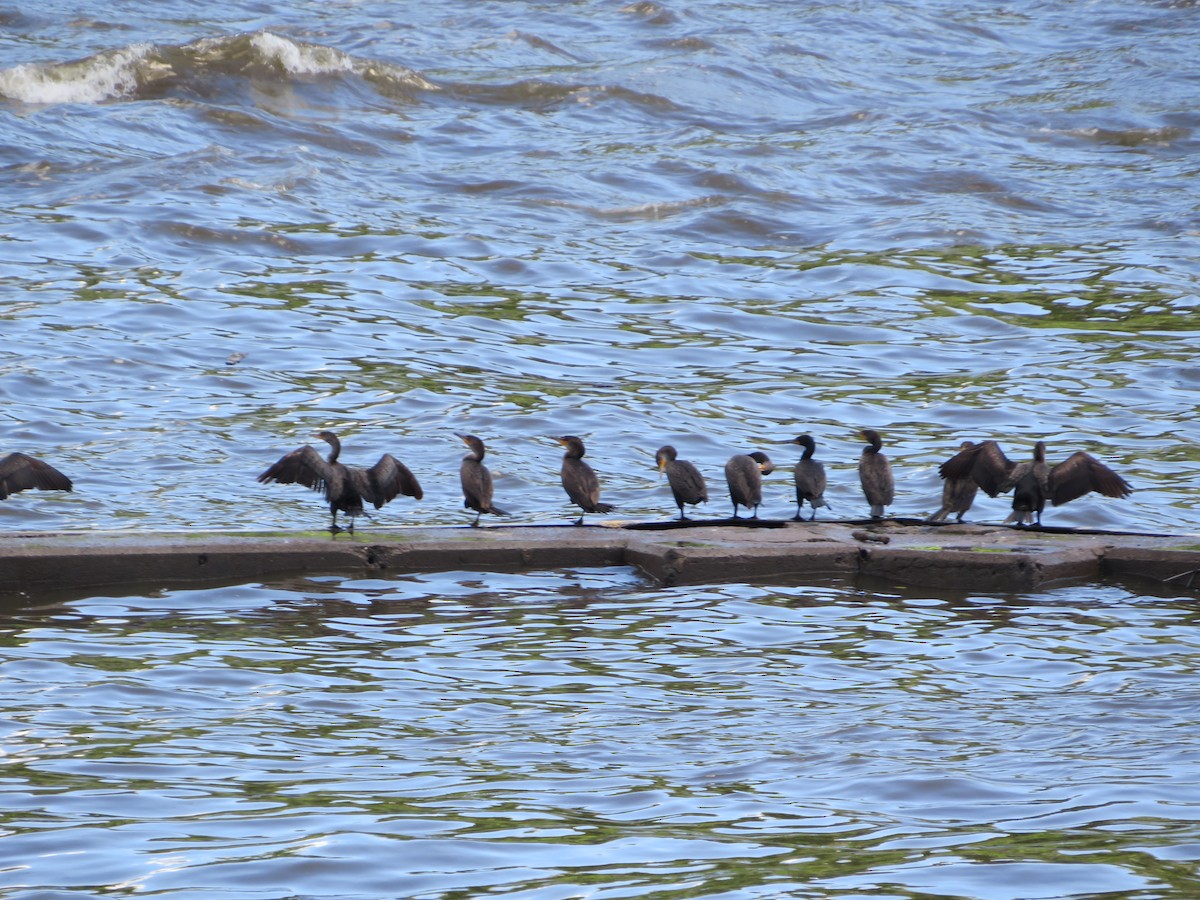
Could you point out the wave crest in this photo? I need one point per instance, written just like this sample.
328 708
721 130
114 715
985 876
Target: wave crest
146 71
104 76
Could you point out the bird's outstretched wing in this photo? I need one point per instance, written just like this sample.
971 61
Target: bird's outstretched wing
385 481
307 467
985 464
1081 473
19 472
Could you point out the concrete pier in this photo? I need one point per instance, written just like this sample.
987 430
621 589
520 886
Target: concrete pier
903 553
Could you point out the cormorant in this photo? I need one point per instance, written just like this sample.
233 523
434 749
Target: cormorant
687 484
1034 482
19 472
744 473
810 478
476 479
345 487
957 493
578 479
875 473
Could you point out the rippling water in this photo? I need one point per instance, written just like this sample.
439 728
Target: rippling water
584 734
712 224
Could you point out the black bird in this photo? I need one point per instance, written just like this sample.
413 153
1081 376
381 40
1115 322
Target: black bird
687 484
345 487
875 473
810 478
957 493
476 479
1034 482
19 472
744 473
578 479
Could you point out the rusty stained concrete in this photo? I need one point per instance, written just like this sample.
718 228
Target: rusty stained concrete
989 559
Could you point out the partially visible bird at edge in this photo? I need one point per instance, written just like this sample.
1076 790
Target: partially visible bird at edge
19 472
476 480
687 484
345 487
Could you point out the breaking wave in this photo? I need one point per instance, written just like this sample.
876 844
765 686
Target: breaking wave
148 71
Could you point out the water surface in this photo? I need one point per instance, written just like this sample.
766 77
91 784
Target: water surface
716 225
710 224
585 734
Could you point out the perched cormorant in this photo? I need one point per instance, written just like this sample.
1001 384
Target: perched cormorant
476 479
810 478
744 473
875 473
687 484
345 487
578 479
1034 482
957 493
19 472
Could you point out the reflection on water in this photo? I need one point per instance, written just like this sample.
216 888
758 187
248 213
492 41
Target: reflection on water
550 735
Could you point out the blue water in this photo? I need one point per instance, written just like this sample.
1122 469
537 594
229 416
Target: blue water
556 735
711 225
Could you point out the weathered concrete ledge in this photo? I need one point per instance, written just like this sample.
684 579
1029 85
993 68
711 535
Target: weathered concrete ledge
946 557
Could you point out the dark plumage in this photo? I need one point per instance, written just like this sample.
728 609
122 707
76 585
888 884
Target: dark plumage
957 493
1034 482
345 487
19 472
875 473
476 479
743 474
578 479
984 463
810 478
687 484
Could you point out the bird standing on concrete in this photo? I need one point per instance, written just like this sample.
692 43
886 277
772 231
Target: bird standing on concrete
957 493
345 487
579 480
744 473
476 480
875 473
1034 482
687 484
810 478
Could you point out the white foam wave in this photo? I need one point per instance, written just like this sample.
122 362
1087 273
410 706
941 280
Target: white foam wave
300 59
128 71
101 77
